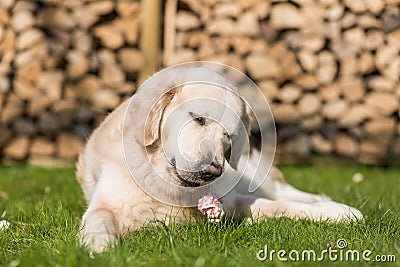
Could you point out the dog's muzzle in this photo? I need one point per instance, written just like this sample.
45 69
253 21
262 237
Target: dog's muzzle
211 171
208 172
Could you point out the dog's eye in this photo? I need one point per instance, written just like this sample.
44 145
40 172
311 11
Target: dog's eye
198 119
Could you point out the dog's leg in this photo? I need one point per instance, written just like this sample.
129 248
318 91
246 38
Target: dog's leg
274 186
320 211
241 203
105 218
98 228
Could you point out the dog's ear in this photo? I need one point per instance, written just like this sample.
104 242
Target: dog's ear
153 122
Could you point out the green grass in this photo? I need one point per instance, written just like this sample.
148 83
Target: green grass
44 207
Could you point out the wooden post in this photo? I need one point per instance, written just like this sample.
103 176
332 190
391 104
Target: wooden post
169 31
150 37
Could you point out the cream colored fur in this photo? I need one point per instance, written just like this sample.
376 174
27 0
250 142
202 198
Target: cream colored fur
117 205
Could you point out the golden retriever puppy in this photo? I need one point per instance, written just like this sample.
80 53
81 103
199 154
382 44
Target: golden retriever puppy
153 160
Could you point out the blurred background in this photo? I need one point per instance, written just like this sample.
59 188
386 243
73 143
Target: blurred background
329 68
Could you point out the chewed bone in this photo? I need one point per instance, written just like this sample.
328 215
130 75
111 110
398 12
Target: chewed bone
211 207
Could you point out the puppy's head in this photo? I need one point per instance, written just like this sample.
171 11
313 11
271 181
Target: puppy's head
199 129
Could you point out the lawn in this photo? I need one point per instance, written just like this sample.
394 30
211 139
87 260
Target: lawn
44 207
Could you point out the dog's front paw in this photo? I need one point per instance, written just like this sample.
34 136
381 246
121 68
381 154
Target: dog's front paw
337 212
98 230
96 242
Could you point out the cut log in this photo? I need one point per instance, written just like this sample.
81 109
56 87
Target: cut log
392 71
127 8
57 17
7 3
222 27
82 41
349 20
24 89
49 123
186 21
29 72
29 38
286 60
312 123
102 7
366 63
105 100
285 113
262 66
370 147
348 66
335 110
37 105
186 55
87 87
227 9
329 92
68 146
269 89
298 145
112 74
84 17
248 25
355 36
131 59
346 146
356 6
312 42
368 21
289 93
382 103
109 35
320 144
307 81
18 148
24 127
4 85
42 147
129 27
5 135
375 6
308 60
65 110
22 20
382 129
308 104
50 82
195 39
78 64
334 12
12 109
356 114
379 83
287 16
385 55
38 52
326 73
352 88
374 39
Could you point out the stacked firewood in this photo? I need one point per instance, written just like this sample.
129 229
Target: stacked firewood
329 68
63 66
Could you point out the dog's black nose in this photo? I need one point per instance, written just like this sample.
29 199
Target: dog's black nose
211 171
